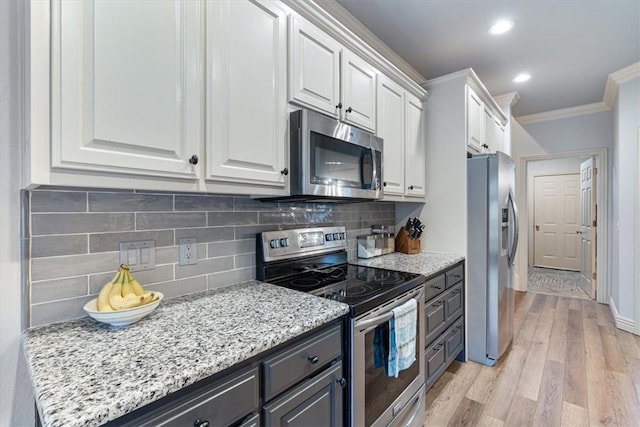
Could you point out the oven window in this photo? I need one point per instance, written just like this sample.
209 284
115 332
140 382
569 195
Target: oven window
336 162
380 389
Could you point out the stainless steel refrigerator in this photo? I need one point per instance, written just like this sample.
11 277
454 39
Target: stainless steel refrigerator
492 218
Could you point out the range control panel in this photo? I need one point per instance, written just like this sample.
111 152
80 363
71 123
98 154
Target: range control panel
284 244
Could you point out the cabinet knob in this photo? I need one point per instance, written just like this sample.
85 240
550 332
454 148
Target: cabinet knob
485 146
201 423
348 110
384 184
285 171
193 160
411 187
313 359
339 105
342 382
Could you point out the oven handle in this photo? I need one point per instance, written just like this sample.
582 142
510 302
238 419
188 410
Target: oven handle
416 409
370 323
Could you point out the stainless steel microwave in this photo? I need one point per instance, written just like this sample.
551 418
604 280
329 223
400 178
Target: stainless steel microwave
330 160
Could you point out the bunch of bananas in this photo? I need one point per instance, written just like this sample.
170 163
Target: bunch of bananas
123 292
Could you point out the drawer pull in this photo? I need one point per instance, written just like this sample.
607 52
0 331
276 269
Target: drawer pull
313 359
436 304
439 346
436 287
342 382
455 291
200 423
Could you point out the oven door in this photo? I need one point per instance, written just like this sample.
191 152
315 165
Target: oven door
378 398
338 160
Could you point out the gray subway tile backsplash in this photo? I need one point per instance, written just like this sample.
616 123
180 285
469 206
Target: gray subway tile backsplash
129 202
58 201
76 233
203 203
70 223
151 221
67 244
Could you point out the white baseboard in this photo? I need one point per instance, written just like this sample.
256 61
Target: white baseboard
623 323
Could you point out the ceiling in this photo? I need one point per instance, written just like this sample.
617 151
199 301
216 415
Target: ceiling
568 46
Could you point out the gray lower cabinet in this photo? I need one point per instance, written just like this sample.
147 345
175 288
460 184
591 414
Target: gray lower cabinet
300 384
315 402
219 404
444 321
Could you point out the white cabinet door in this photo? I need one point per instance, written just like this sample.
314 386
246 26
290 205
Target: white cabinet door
488 135
475 108
415 146
125 86
390 127
358 91
314 67
498 136
246 92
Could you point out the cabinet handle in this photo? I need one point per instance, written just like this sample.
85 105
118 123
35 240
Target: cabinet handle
455 291
437 287
193 160
384 184
313 359
436 304
411 187
348 110
285 171
200 423
339 105
342 382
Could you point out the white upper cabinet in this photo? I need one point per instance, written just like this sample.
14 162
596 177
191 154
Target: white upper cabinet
125 87
475 122
327 77
358 91
487 145
497 143
415 162
246 92
314 68
390 127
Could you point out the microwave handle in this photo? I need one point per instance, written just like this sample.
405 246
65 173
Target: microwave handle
374 170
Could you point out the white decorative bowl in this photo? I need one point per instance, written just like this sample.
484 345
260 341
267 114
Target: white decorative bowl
121 317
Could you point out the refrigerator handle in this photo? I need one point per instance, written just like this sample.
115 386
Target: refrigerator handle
516 231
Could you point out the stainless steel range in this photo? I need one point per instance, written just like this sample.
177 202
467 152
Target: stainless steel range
314 260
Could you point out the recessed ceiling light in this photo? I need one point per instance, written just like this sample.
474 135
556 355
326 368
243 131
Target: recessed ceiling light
501 27
522 77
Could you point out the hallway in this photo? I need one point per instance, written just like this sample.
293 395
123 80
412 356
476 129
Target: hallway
567 366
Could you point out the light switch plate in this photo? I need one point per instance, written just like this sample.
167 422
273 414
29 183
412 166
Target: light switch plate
138 255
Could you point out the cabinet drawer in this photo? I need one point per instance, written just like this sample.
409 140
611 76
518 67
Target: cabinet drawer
434 286
315 402
454 303
222 403
455 339
287 368
435 361
454 275
435 319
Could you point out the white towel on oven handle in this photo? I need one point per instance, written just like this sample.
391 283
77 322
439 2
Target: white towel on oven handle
402 337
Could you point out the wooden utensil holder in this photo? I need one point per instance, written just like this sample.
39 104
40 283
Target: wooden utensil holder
406 245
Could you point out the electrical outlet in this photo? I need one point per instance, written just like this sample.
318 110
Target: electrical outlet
188 251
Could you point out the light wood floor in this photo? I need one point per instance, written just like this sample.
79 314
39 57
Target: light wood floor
568 365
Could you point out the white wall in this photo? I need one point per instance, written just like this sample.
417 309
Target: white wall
588 132
625 290
16 399
545 167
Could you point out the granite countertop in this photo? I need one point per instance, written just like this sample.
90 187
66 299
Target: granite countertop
87 373
426 263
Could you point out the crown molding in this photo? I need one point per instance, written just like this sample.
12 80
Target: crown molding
563 113
509 98
336 10
469 77
615 79
318 14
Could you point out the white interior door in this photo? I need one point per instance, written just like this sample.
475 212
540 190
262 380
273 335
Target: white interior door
556 221
588 228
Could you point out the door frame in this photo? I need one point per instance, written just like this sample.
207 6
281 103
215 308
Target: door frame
600 156
532 214
637 250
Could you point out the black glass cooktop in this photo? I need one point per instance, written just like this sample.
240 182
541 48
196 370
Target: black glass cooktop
361 287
